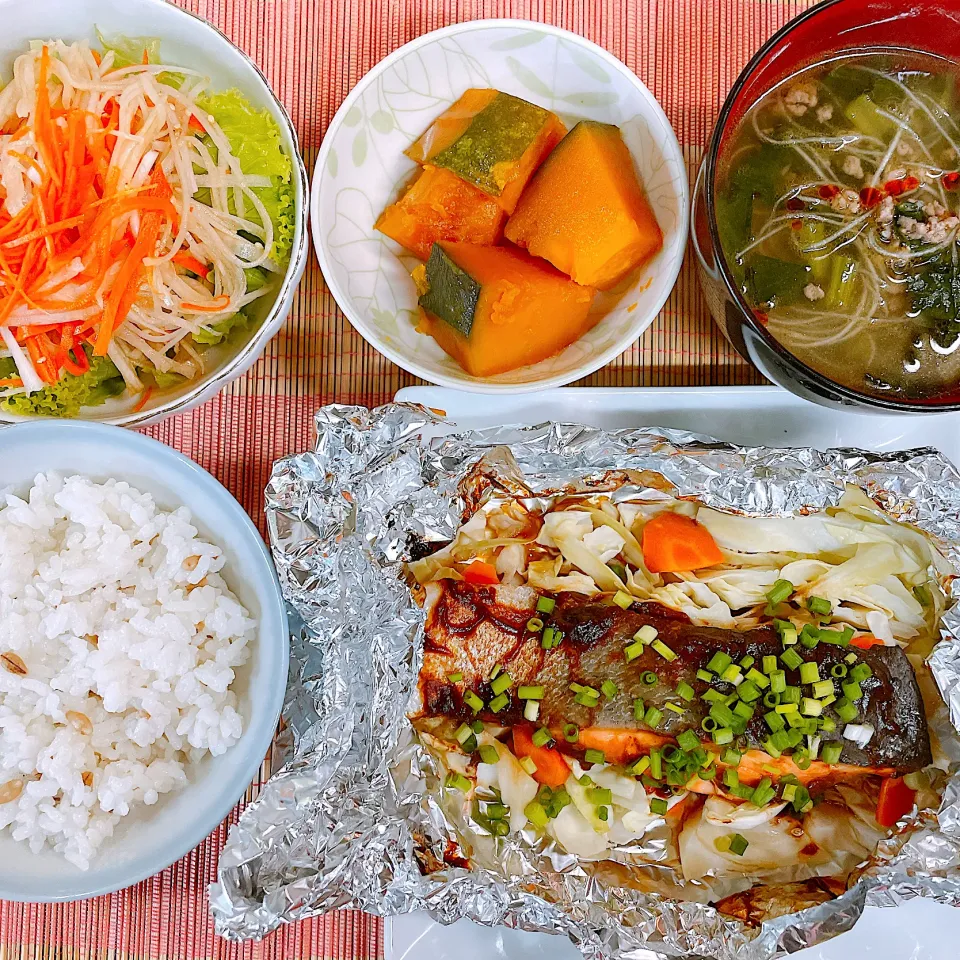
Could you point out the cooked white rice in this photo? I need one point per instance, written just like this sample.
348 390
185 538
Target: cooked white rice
128 637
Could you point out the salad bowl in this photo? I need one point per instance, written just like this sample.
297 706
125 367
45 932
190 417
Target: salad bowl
184 40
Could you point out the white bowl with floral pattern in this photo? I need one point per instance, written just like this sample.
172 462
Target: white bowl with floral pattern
362 168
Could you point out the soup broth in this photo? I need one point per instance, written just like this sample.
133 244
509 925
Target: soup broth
837 205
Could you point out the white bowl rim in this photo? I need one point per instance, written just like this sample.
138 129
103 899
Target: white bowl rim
210 385
645 320
261 739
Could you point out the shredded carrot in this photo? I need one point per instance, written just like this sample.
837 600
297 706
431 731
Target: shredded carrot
144 399
214 306
673 543
189 262
11 382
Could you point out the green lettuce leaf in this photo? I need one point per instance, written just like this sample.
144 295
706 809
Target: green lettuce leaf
130 50
256 278
255 138
64 399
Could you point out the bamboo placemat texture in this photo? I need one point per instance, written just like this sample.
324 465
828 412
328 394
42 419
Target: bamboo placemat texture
313 52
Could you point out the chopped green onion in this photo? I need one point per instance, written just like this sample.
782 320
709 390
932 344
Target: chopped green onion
601 796
758 678
801 758
658 806
830 752
846 711
839 638
541 737
785 708
823 688
850 657
603 813
632 651
722 714
663 650
743 709
763 793
771 748
622 600
688 741
731 778
685 691
457 781
819 606
501 683
464 733
675 707
656 764
489 753
810 707
477 726
530 693
473 701
771 699
609 689
731 756
747 661
861 672
722 735
796 720
594 756
648 678
707 773
705 675
531 710
708 724
778 681
809 672
534 624
789 792
828 724
748 691
639 767
546 605
774 721
791 659
780 591
852 690
571 732
455 677
739 843
547 641
809 636
498 703
587 699
791 694
529 765
732 673
535 813
639 707
652 717
712 696
646 634
719 662
838 671
495 811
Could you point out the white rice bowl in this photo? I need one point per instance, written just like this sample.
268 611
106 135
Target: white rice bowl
129 638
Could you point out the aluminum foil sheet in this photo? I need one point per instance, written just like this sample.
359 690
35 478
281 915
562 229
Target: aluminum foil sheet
352 817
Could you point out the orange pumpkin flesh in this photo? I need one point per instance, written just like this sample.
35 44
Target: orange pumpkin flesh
585 210
492 140
441 206
495 309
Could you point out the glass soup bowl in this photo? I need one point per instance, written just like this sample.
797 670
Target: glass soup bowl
824 32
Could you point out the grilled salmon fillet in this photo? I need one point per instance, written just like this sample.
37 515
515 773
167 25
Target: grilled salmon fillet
472 629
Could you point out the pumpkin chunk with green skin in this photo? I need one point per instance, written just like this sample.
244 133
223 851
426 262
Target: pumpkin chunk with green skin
438 205
585 210
491 139
495 309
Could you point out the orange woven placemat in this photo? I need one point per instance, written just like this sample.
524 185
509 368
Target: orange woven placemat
313 51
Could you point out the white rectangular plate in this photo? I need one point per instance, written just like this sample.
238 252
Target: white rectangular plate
764 416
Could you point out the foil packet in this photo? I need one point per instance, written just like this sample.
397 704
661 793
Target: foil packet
352 817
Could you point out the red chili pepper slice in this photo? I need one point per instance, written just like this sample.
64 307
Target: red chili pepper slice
796 224
795 203
870 197
828 191
950 180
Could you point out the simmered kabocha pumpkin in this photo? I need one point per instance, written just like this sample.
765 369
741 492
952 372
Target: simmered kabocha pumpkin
491 139
494 309
441 206
585 210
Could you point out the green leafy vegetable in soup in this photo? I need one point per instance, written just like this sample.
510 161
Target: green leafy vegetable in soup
837 206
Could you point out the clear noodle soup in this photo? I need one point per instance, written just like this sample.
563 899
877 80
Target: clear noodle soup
837 205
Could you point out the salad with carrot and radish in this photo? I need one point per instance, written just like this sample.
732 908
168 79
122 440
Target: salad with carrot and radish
143 217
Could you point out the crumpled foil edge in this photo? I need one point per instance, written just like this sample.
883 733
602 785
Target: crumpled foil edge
337 826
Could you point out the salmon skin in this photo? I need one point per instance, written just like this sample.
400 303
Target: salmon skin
470 630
